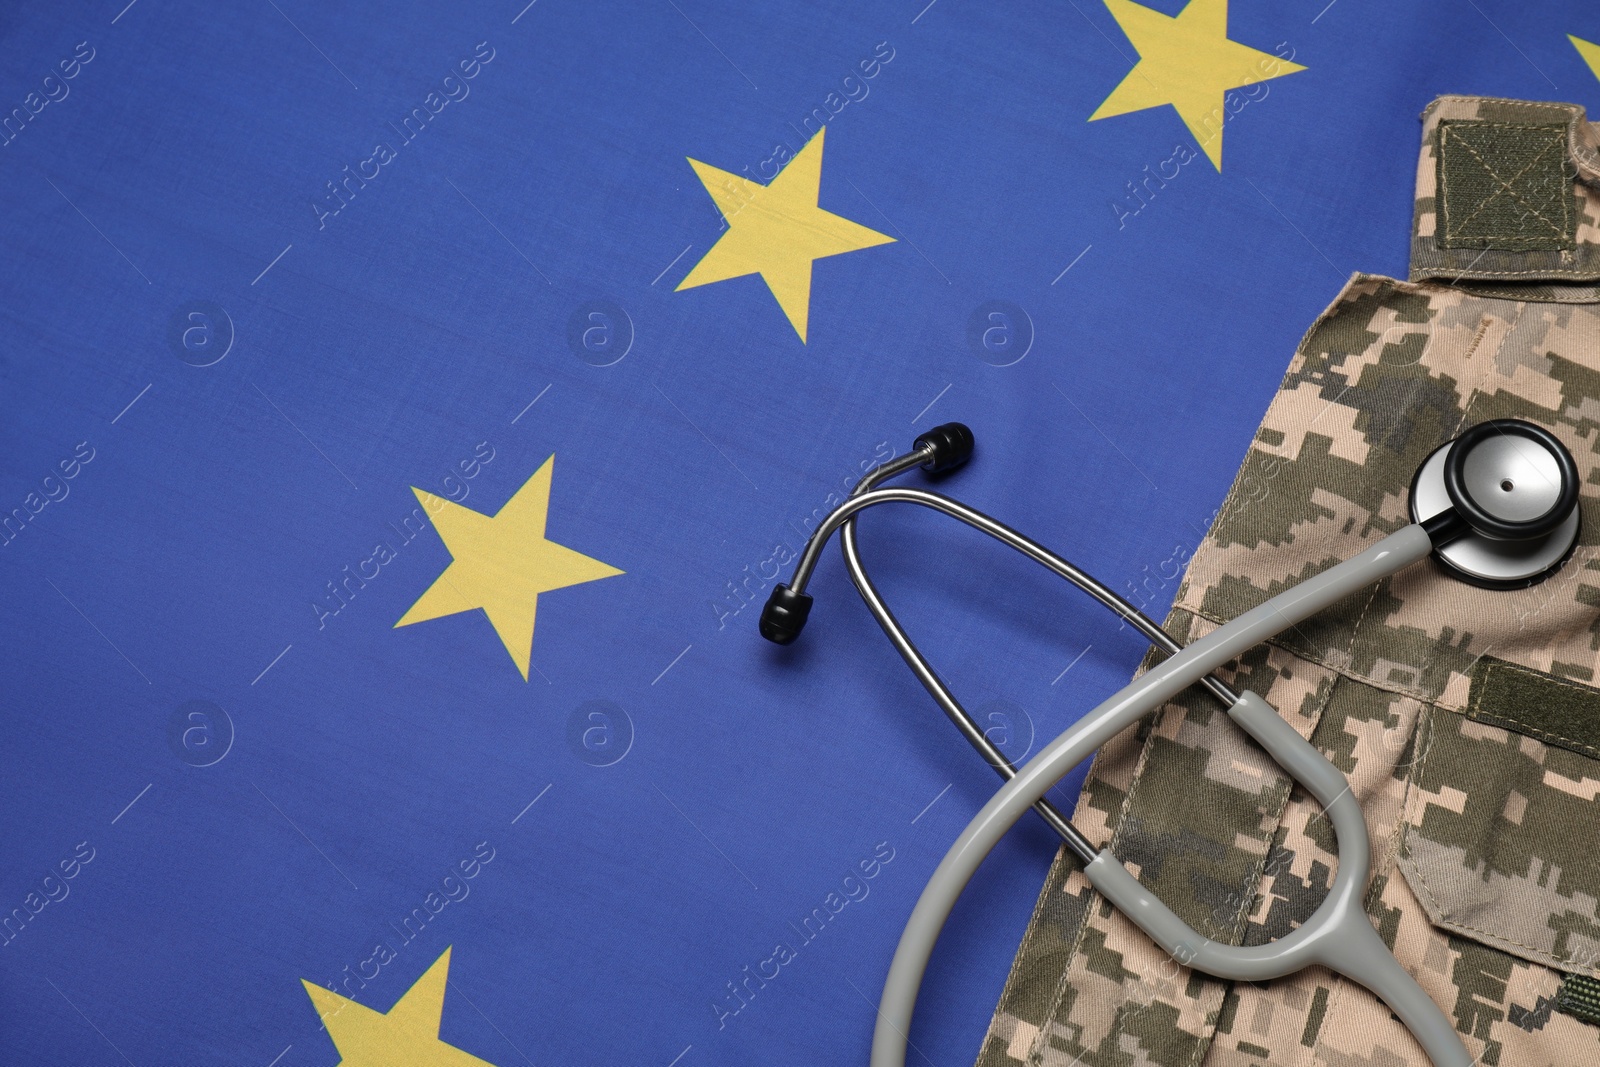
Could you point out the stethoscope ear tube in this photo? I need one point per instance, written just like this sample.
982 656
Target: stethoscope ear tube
1074 839
941 449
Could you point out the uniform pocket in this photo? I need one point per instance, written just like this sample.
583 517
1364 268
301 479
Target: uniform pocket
1502 836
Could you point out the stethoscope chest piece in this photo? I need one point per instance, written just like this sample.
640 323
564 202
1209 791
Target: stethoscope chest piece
1516 486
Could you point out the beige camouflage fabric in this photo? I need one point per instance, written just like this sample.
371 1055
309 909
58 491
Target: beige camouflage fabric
1467 720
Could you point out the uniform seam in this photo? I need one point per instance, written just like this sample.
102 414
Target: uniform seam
1569 110
1340 979
1028 938
1517 668
1419 762
1332 1011
1059 995
1538 734
1384 864
1327 313
1355 631
1048 1023
1258 870
1202 1044
1318 661
1549 272
1253 885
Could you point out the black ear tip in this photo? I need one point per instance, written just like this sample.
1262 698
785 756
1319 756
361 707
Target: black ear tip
952 445
784 615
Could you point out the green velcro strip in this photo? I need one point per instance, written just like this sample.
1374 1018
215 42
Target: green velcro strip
1505 186
1579 997
1557 712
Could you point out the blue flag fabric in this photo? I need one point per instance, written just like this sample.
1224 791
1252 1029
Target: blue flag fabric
405 413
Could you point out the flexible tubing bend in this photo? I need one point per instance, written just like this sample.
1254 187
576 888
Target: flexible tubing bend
1146 693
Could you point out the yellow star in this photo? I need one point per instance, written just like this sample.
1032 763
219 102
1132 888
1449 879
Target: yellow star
1589 51
776 231
1187 62
501 564
407 1035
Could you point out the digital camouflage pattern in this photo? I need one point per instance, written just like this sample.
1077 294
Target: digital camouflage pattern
1495 843
1467 720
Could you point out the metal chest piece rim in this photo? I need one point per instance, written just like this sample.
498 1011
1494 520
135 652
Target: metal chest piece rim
1492 468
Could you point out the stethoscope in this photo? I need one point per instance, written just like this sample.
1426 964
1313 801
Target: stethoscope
1496 507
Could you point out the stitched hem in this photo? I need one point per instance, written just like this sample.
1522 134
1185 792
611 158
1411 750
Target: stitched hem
1028 938
1510 946
1094 897
1436 273
1387 687
1586 158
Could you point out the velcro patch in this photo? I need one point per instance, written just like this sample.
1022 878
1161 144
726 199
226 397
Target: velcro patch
1580 998
1564 714
1505 186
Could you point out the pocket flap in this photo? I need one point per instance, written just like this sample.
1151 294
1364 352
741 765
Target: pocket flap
1502 835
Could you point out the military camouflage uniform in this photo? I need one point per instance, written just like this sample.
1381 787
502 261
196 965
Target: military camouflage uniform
1468 720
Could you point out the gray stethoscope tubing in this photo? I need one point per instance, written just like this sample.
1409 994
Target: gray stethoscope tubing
1537 511
1338 935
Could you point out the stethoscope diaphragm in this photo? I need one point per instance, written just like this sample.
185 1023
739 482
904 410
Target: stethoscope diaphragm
1507 479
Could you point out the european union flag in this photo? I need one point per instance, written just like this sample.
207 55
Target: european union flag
407 410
